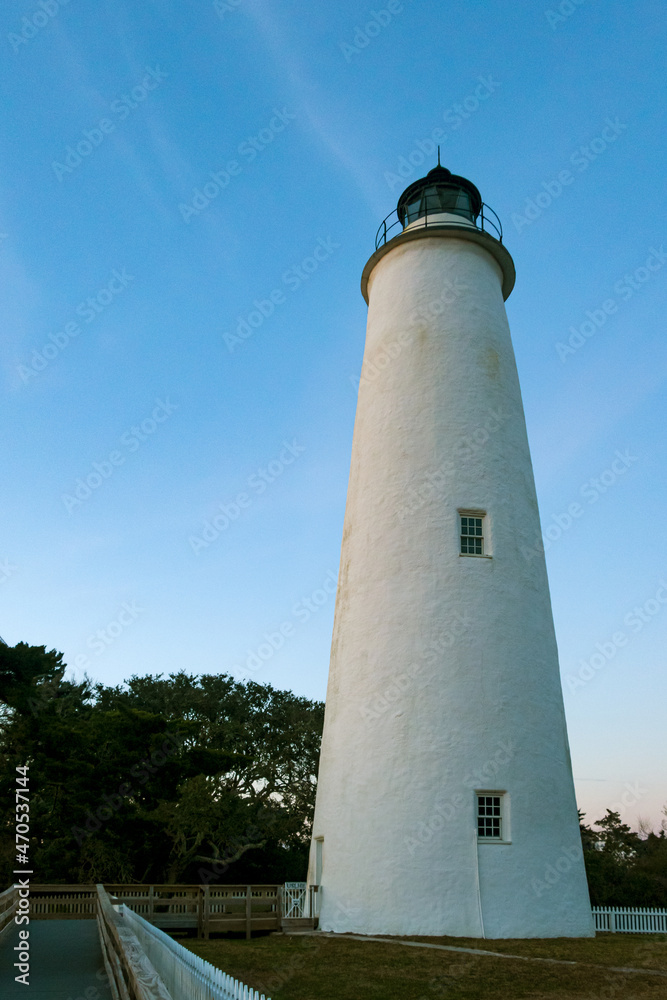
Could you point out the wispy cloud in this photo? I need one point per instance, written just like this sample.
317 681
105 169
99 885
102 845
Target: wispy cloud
330 121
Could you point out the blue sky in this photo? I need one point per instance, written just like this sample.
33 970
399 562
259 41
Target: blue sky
188 195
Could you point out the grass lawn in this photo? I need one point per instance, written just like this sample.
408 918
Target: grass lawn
312 968
636 951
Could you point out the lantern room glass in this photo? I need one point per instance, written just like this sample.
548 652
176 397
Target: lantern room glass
435 199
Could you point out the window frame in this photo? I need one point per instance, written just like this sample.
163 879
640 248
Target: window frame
505 829
485 536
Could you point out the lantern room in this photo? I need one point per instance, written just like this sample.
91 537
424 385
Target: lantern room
440 197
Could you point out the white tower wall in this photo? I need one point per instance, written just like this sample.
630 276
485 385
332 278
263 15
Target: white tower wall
444 673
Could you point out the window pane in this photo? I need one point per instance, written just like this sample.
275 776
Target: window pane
472 537
489 818
463 202
448 198
413 209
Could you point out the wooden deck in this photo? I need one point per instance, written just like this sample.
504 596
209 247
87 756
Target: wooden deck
203 909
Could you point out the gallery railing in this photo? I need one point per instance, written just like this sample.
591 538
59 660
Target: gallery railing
486 222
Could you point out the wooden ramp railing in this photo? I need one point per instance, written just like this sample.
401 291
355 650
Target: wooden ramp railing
241 908
63 902
130 973
173 907
204 909
207 909
186 975
9 900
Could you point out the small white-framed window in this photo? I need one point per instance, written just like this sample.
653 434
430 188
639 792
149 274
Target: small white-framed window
472 533
492 817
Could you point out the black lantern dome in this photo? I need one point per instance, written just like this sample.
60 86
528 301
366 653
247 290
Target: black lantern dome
439 192
442 205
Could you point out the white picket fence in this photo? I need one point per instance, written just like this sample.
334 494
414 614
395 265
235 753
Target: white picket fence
186 976
630 920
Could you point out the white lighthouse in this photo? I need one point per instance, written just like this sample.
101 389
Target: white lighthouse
445 800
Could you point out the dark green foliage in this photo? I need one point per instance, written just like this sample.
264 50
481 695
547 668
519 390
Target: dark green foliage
624 868
179 779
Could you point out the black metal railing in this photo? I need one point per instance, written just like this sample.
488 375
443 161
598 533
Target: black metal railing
487 222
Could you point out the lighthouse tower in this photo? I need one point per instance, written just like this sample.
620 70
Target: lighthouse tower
445 800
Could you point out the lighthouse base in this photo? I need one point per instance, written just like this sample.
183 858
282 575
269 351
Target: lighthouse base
511 924
533 887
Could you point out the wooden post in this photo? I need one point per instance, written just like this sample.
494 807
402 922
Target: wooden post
151 904
248 912
206 912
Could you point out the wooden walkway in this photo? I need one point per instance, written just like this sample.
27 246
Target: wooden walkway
66 955
65 962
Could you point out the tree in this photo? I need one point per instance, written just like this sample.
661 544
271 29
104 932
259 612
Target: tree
250 795
624 868
161 779
617 839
